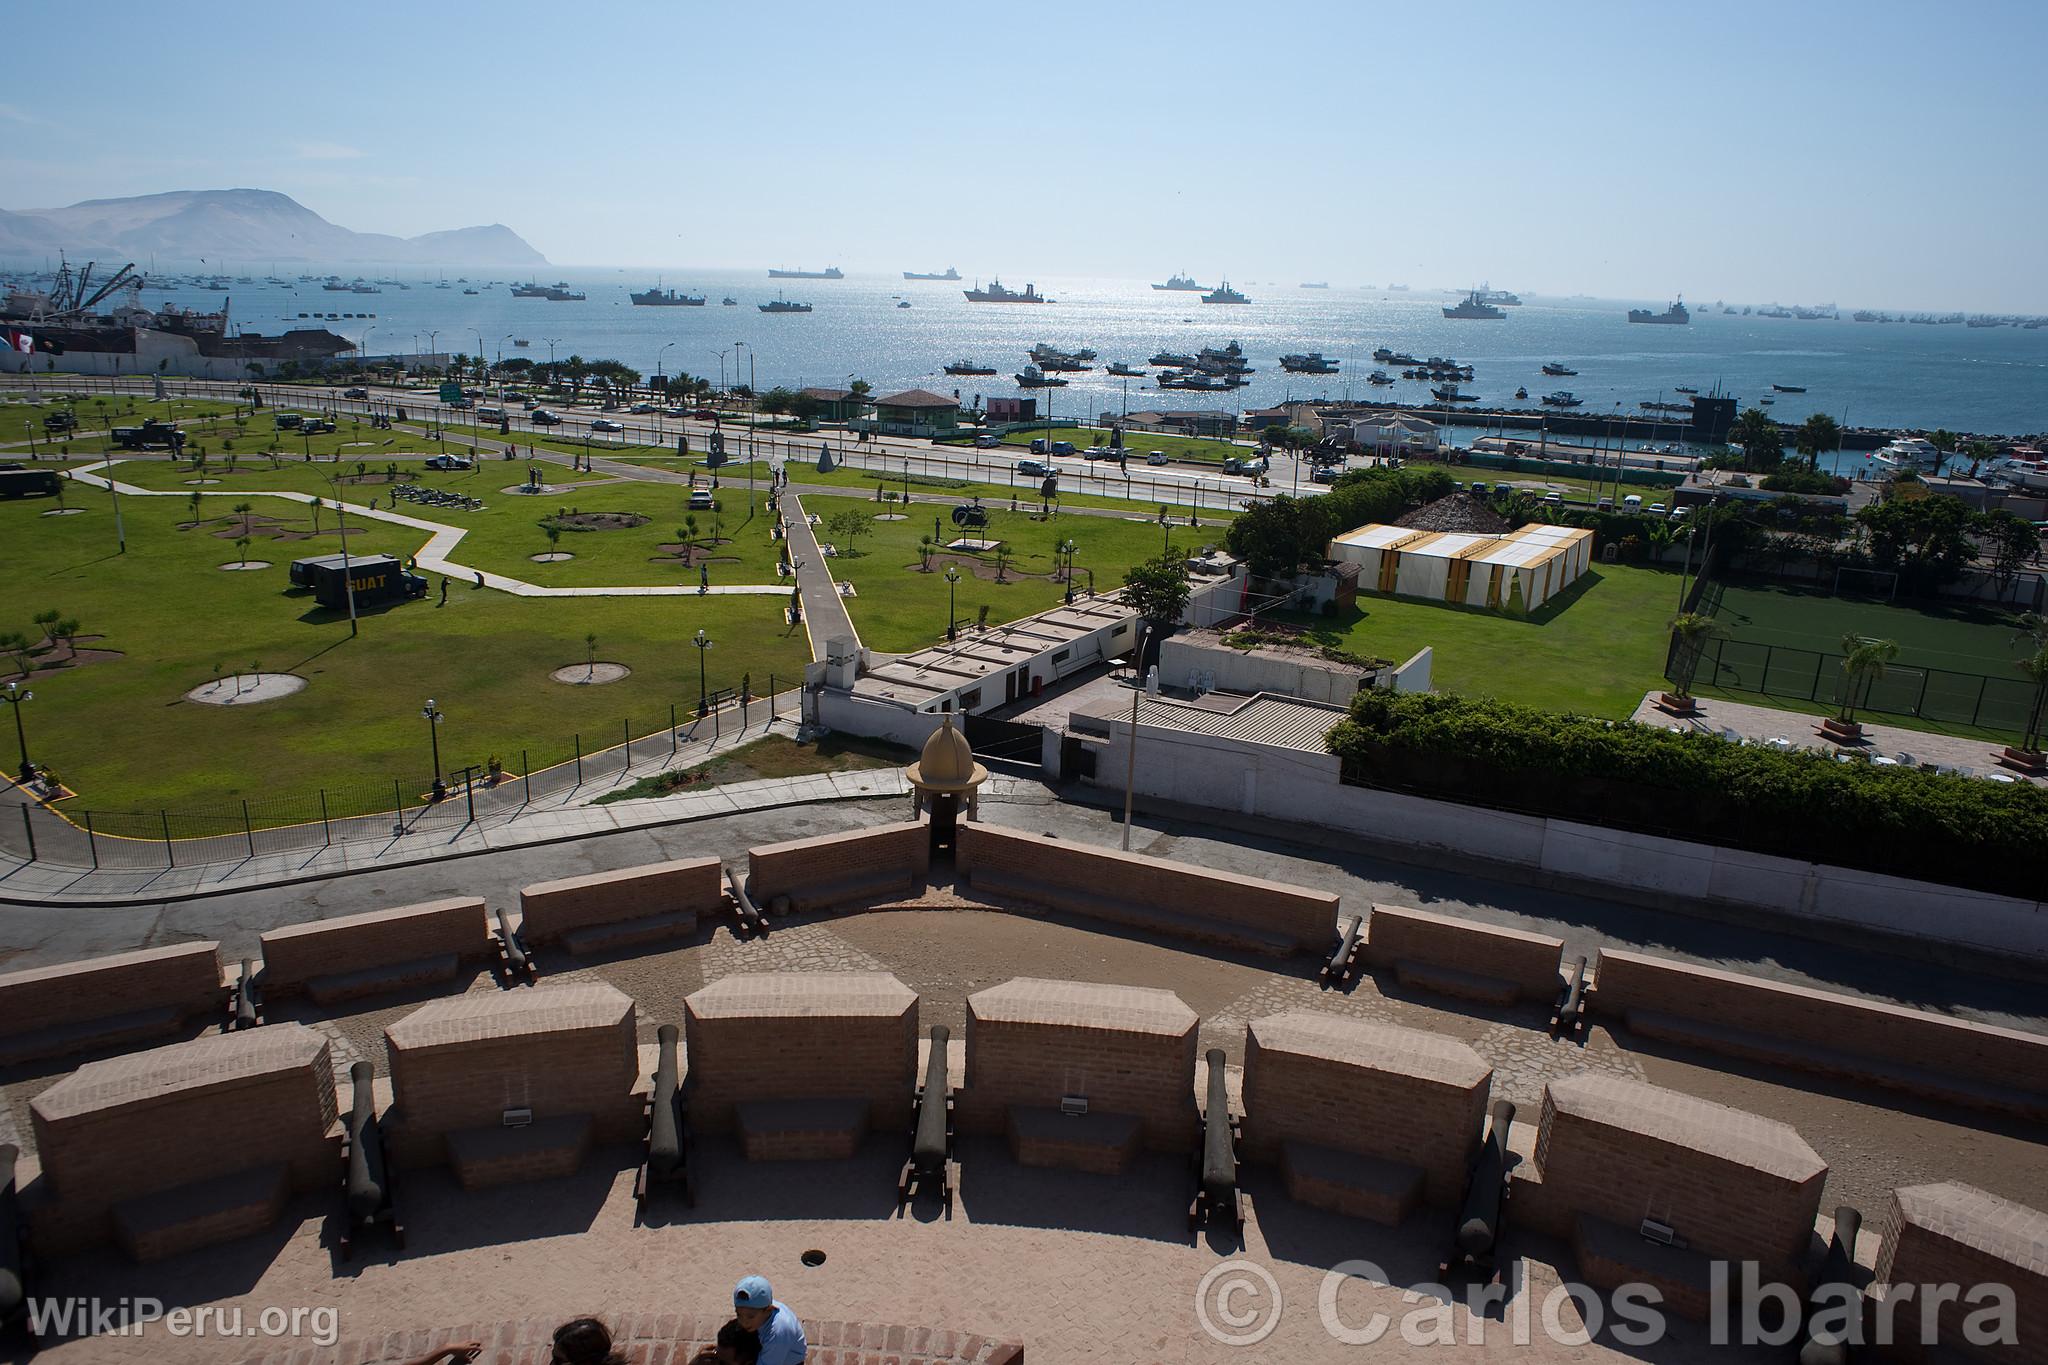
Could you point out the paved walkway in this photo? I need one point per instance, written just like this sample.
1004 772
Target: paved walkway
1888 743
825 615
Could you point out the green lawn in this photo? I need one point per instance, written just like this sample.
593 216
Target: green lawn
24 421
1961 637
900 607
1596 652
118 731
1193 449
770 757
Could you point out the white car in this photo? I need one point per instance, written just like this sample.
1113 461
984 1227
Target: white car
1553 496
641 409
1156 457
1656 509
986 442
675 412
1680 513
607 424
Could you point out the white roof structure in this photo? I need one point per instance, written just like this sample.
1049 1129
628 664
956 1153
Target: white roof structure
1527 566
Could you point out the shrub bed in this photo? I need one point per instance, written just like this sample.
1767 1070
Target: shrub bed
1956 830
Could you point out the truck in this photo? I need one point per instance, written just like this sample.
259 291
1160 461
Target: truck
150 433
19 481
376 579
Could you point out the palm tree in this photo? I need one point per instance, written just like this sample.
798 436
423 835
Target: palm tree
242 510
1690 630
194 500
590 654
1660 536
554 537
1817 433
1863 663
242 549
2035 667
1979 452
1763 444
1944 442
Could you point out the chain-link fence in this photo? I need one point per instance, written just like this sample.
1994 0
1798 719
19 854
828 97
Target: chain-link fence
1811 675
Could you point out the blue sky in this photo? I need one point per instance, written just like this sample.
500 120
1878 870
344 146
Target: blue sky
1805 152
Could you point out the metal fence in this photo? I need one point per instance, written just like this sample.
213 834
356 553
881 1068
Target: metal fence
393 808
1935 694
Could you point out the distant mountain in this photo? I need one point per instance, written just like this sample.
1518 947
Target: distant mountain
242 225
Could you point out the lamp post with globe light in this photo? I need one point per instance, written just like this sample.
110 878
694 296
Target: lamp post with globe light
434 717
952 578
14 697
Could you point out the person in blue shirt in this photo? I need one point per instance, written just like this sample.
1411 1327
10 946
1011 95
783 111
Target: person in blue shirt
782 1336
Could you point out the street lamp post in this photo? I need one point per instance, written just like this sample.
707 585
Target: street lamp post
433 716
15 697
703 642
657 362
721 369
1067 549
952 578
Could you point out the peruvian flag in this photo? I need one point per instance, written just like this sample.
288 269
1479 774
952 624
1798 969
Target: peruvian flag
21 341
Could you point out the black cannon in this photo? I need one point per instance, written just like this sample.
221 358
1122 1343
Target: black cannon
245 1001
1481 1216
931 1134
513 959
970 516
1568 1017
668 1129
13 1258
367 1186
1827 1326
1216 1190
1343 958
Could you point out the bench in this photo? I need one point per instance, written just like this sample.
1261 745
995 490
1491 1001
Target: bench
1611 1256
542 1150
187 1217
1347 1183
1735 1042
1101 1143
398 976
1169 923
85 1035
801 1130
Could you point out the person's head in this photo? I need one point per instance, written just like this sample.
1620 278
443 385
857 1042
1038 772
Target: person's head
753 1302
586 1341
737 1344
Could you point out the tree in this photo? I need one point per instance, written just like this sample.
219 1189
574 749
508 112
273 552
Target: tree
925 545
1817 433
690 527
242 510
1863 663
1762 442
1926 539
1690 630
2035 667
576 368
1944 442
590 653
847 528
2013 541
46 621
1276 537
16 643
67 631
1158 590
1979 452
242 549
776 400
554 533
193 498
1660 535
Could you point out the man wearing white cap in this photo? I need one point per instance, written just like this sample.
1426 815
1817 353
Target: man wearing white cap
782 1336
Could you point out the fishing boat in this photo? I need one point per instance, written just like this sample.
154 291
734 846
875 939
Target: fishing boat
1683 388
1563 398
1380 378
1035 378
1312 363
1324 285
1521 391
1123 371
729 302
1450 393
1788 388
969 367
1176 359
1554 368
995 293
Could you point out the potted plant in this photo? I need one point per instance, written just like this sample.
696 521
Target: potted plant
1690 631
1863 663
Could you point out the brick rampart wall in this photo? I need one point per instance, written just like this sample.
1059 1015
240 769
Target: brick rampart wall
798 1036
184 977
886 860
1399 934
296 953
549 909
1961 1235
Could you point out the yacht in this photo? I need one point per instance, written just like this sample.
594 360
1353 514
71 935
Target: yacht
1035 378
995 293
1475 306
1223 293
1557 370
969 367
1379 378
1907 452
1182 284
1674 314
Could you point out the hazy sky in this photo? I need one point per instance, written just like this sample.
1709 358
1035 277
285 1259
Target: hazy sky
1874 153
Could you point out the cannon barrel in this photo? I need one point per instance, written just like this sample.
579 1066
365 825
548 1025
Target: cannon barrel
1574 1001
1219 1158
515 955
665 1132
1346 946
1837 1269
928 1146
247 1008
1479 1219
12 1293
366 1189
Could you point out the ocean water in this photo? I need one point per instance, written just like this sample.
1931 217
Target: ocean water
1987 380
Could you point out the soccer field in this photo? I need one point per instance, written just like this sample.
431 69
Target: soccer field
1959 637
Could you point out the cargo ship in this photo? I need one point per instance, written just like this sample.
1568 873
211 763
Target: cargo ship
995 293
830 272
951 274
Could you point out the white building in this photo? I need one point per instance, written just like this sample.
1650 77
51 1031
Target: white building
1392 433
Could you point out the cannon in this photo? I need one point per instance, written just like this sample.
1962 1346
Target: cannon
13 1257
1836 1285
1216 1190
1568 1016
931 1134
1344 957
752 923
245 1001
367 1185
1481 1215
513 959
668 1129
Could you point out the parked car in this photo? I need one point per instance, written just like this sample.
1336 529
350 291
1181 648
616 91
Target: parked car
355 393
316 426
1632 503
449 462
464 404
1479 489
675 412
1553 497
288 421
1062 447
1156 457
606 424
1036 469
1325 475
1040 446
700 500
1680 513
541 417
1656 509
642 409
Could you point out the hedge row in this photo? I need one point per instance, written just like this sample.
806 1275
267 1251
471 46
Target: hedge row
1955 830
